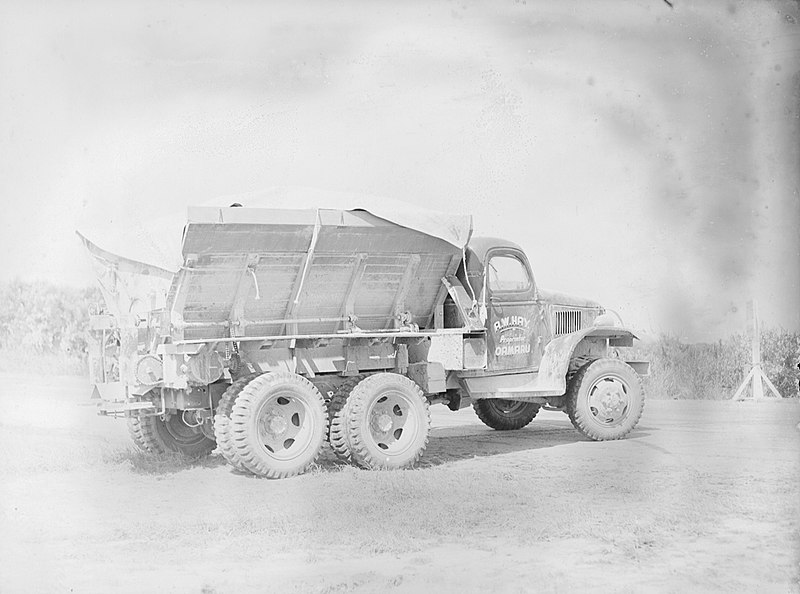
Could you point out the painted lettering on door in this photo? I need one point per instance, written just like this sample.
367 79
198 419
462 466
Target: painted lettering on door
512 336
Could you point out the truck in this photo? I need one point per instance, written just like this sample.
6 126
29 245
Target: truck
282 329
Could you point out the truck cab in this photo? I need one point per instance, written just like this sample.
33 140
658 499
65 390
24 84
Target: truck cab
538 343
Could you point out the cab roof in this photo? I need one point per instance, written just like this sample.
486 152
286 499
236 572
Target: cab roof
480 246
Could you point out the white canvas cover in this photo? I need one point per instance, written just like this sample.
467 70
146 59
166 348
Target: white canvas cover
157 242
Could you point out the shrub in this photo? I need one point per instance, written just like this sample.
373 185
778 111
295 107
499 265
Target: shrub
780 354
43 326
716 370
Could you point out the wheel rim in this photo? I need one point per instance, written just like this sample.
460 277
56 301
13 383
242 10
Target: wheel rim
182 433
609 400
508 407
392 428
285 426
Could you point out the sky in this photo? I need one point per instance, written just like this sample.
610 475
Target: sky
644 156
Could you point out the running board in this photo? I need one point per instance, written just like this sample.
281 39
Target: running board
511 386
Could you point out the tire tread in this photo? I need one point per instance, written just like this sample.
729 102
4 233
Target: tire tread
222 420
337 427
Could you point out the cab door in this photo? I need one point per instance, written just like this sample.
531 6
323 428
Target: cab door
514 318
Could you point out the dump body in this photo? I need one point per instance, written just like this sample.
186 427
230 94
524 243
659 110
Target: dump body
274 273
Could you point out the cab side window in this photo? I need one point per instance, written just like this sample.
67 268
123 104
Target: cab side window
507 273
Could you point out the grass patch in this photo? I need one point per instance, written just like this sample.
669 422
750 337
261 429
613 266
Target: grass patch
400 512
149 463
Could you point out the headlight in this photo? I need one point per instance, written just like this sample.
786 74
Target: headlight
605 319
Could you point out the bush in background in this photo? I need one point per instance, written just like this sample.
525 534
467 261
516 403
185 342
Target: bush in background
43 327
714 371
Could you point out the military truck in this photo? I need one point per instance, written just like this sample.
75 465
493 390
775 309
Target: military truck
281 329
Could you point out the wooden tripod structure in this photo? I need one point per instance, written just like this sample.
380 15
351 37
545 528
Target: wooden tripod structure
756 374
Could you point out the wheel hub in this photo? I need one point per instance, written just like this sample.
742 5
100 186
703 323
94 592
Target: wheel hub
277 425
281 421
608 400
182 432
387 420
382 423
508 407
611 400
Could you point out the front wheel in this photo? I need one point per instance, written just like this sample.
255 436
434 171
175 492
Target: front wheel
505 415
605 399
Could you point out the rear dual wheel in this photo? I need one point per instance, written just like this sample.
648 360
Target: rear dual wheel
337 433
277 425
176 432
222 420
384 422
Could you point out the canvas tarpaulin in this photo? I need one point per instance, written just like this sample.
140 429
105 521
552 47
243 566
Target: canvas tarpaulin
157 242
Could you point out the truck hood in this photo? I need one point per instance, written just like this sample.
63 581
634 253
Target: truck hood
567 300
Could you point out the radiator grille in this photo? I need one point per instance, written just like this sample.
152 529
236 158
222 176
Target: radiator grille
567 321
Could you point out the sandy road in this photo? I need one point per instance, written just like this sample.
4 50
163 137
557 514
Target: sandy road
702 497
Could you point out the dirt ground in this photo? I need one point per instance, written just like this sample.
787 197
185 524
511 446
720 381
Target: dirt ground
703 496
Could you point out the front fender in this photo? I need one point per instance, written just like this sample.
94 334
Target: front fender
558 352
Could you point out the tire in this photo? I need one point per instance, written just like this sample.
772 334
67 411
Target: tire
222 420
337 427
155 435
337 438
387 422
605 399
277 425
505 415
327 386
